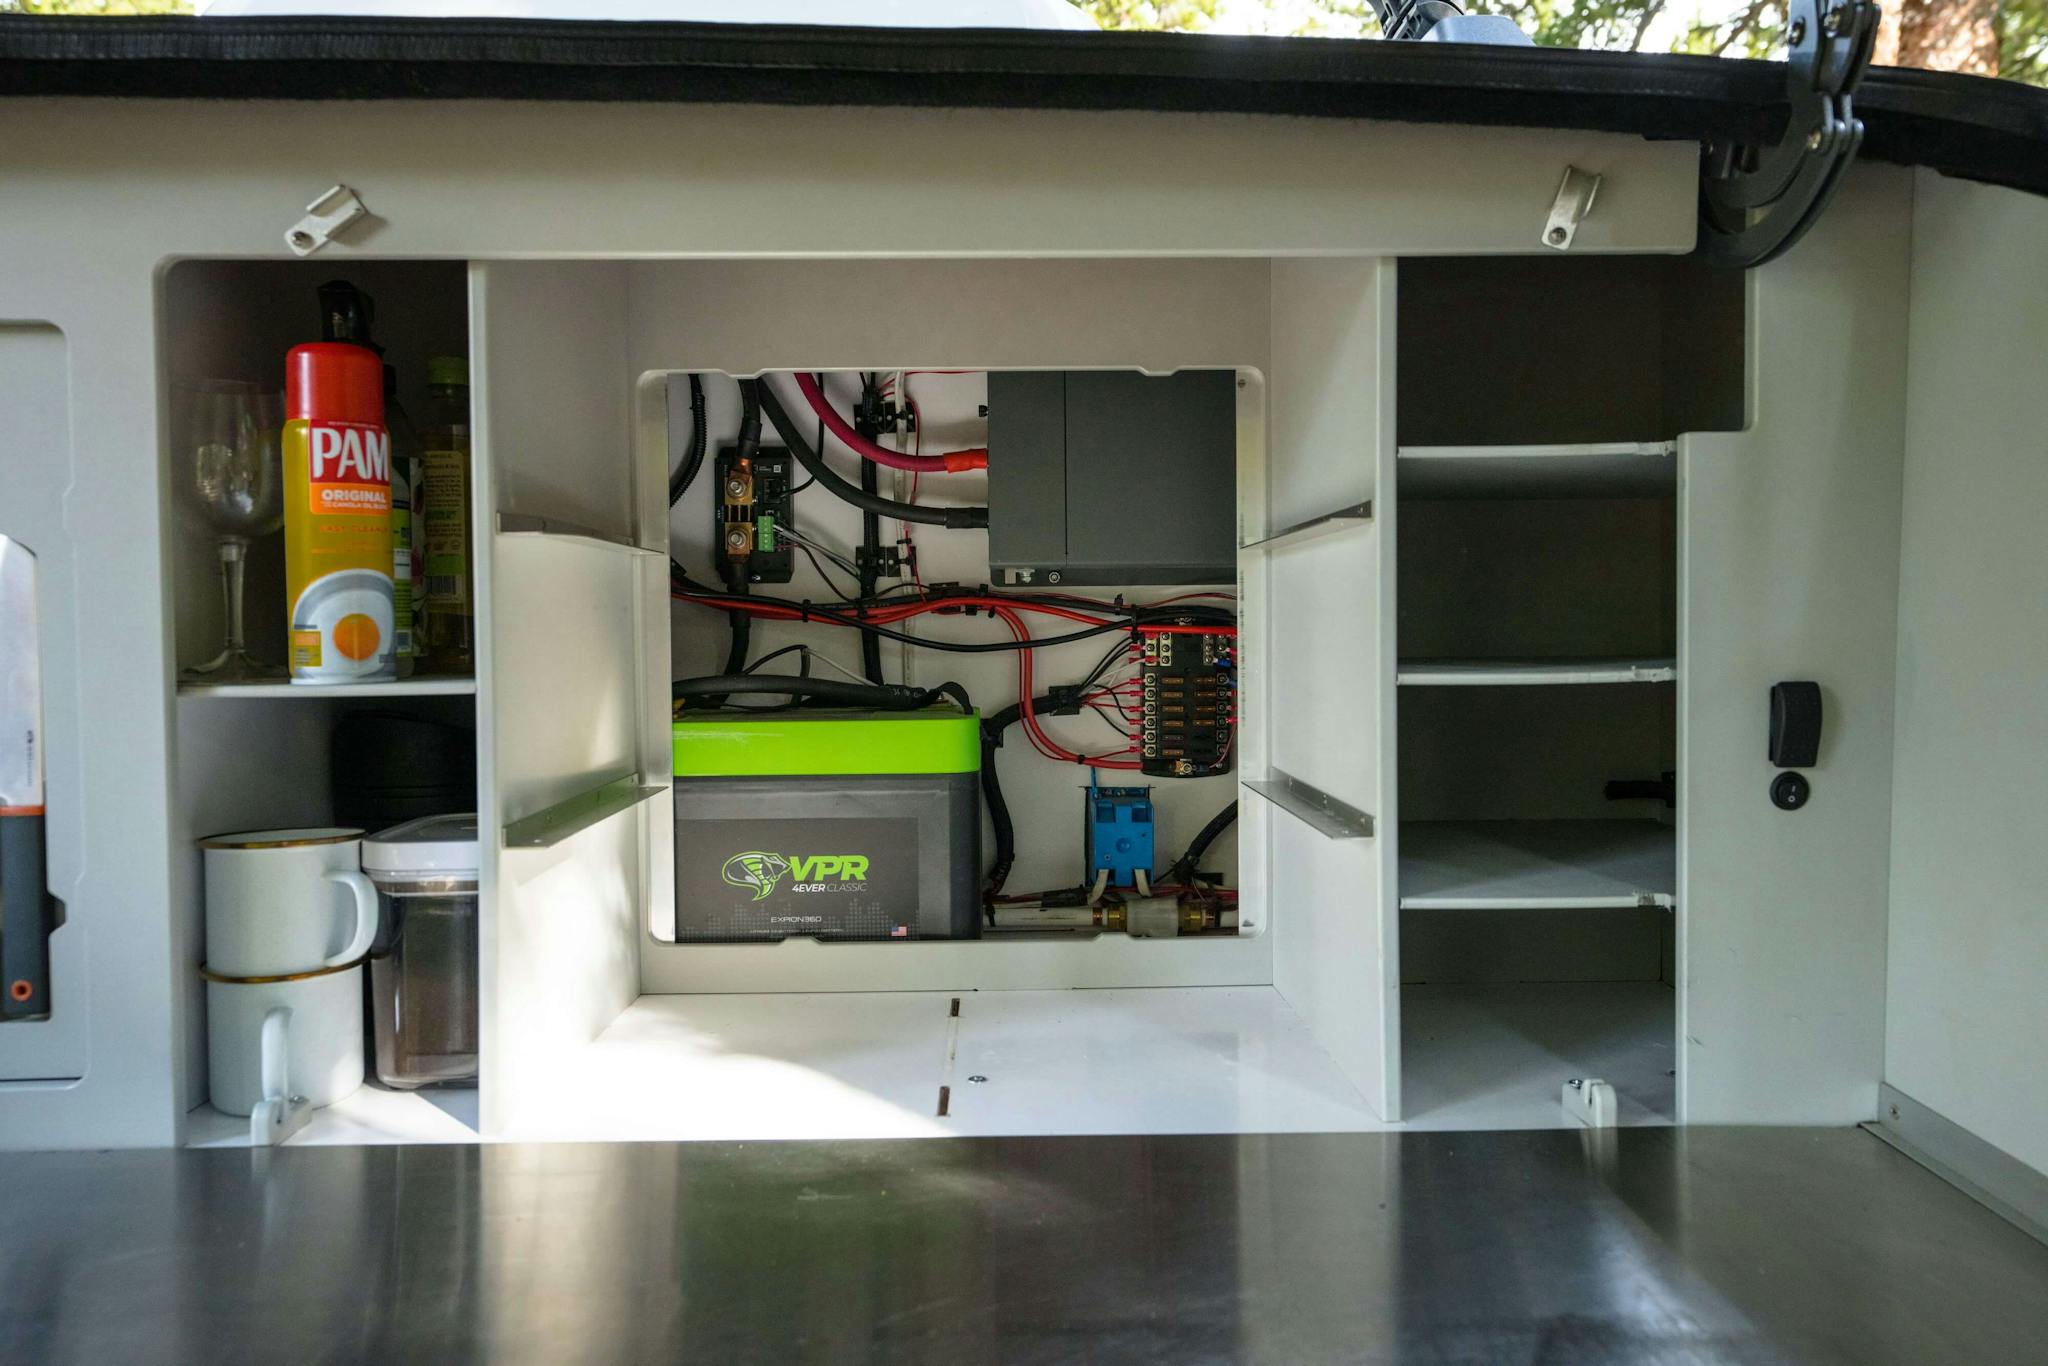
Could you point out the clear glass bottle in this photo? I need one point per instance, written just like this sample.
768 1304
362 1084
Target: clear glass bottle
407 563
443 524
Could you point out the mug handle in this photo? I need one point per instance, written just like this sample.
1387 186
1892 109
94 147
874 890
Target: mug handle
278 1114
273 1054
366 916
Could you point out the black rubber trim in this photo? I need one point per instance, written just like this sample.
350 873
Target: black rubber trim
1969 126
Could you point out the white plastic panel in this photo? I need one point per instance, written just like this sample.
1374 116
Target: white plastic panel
566 632
1968 1008
620 179
1328 661
1529 865
1789 570
1533 673
559 446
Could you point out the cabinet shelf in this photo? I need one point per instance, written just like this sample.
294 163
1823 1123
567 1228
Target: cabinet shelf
401 687
1529 673
1537 865
1613 469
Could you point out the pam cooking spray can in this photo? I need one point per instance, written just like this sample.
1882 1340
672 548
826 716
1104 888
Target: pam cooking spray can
337 516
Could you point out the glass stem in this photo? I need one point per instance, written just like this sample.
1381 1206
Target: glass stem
233 551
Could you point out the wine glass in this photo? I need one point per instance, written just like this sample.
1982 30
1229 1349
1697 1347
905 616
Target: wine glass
229 470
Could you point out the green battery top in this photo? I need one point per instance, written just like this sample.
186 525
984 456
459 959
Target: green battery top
827 743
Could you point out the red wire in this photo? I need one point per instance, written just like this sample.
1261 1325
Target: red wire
882 455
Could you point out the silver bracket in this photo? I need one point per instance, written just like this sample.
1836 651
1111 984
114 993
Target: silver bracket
1574 201
1329 817
325 217
1757 201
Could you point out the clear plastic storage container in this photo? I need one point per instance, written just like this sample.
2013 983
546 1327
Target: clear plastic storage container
423 965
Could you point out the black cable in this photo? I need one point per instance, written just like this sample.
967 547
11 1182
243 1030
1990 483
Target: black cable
839 592
870 528
810 611
799 447
1185 867
1066 702
742 623
693 459
998 815
750 420
829 691
803 669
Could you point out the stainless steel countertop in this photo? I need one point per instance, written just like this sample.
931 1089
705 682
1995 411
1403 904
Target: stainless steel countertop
1639 1245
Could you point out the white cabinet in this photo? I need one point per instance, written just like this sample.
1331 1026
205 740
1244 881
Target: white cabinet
1513 527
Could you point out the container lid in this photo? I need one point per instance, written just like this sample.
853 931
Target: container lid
447 370
827 743
335 382
431 844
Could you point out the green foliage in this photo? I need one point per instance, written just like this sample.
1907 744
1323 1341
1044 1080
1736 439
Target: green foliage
1606 24
2023 41
108 8
1176 16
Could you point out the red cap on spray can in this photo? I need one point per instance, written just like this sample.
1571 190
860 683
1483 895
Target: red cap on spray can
335 382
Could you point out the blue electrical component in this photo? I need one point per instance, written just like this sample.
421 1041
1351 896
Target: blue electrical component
1120 833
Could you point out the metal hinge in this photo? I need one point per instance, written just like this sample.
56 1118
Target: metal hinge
325 217
1755 202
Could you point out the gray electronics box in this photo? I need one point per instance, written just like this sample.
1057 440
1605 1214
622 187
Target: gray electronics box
1112 477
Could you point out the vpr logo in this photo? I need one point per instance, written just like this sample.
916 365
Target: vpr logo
762 871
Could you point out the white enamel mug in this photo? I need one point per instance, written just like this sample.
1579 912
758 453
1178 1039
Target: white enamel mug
294 1043
286 901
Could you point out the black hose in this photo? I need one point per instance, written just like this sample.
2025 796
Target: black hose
870 553
834 692
992 728
998 817
750 420
958 519
693 459
1185 867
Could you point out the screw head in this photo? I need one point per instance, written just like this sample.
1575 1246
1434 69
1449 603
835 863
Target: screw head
977 1079
1053 577
1556 237
302 238
1798 33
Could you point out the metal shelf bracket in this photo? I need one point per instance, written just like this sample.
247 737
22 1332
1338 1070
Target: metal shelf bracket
1313 807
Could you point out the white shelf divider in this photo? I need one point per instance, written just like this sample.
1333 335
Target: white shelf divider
369 1116
1610 469
1537 865
1530 673
397 687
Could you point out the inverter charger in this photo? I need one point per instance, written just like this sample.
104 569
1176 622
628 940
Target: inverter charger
828 824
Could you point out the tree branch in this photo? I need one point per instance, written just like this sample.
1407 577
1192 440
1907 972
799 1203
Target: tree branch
1742 25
